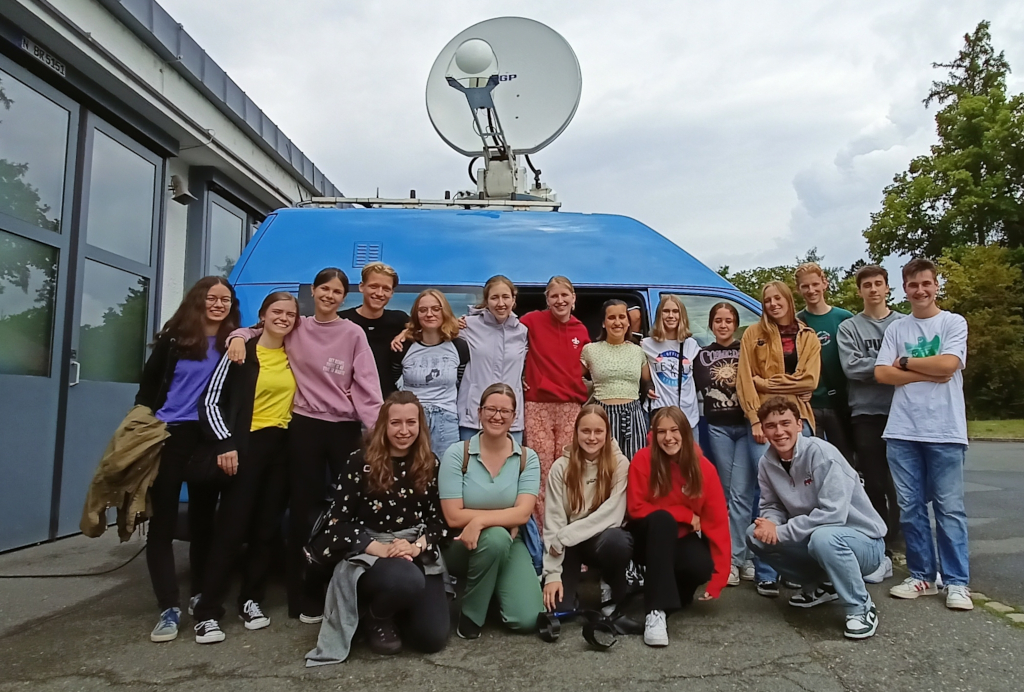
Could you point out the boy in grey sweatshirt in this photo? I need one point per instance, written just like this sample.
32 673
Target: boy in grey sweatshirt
859 339
816 525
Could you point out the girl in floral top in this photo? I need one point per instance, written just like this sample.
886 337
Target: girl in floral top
389 488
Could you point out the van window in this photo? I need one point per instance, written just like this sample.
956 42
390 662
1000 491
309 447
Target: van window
698 309
461 298
588 305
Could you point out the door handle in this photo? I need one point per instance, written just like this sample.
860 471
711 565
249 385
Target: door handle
76 370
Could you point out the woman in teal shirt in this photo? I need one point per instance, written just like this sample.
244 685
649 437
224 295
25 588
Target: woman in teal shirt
486 500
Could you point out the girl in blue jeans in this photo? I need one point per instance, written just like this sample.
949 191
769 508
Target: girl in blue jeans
734 451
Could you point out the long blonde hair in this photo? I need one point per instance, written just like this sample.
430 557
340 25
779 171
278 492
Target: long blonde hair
449 324
787 295
607 464
659 332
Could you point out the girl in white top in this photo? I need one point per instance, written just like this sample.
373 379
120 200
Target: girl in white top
617 367
670 350
586 505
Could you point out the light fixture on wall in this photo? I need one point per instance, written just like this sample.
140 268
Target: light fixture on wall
179 191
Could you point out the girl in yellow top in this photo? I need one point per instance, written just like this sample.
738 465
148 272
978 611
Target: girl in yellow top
246 408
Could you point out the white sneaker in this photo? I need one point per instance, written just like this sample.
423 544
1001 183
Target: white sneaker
734 576
656 629
958 598
912 588
883 572
606 591
747 571
193 602
861 626
310 619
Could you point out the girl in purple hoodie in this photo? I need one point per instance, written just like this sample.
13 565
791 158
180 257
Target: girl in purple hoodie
338 392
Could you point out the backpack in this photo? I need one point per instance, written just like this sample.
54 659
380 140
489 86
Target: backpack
529 531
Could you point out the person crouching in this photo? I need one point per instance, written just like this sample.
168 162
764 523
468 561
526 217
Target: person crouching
816 525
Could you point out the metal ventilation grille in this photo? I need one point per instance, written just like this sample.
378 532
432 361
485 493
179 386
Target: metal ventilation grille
364 253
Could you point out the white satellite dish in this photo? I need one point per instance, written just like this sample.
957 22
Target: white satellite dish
536 94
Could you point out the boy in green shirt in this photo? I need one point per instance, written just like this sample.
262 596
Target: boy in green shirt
831 410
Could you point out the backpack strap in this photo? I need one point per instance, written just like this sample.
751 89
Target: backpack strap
522 458
465 456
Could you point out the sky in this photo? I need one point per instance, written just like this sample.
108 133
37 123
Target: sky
745 132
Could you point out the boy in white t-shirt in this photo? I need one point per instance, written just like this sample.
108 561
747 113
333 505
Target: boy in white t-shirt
924 355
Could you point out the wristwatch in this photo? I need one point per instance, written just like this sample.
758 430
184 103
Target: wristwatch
903 362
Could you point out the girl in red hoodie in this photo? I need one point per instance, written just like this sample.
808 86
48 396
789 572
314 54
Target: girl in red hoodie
679 522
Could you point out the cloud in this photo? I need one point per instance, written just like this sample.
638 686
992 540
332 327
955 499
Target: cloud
746 132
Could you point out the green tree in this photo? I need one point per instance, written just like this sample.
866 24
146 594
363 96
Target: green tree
842 286
969 190
983 283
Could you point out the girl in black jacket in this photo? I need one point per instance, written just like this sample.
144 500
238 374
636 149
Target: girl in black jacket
185 353
246 410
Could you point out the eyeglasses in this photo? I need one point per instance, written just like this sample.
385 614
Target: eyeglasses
492 411
213 300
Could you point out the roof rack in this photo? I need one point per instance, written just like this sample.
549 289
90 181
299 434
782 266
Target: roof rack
417 203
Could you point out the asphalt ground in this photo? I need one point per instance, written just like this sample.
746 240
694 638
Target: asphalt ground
91 633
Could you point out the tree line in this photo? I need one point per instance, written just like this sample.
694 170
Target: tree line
962 205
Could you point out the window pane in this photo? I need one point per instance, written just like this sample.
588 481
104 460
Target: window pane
33 151
112 338
698 309
120 200
225 240
28 281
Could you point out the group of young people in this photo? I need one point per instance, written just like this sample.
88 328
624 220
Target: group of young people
396 445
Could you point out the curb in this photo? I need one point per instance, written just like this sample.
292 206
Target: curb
1013 616
995 439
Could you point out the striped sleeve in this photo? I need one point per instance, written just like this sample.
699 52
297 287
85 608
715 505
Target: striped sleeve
213 412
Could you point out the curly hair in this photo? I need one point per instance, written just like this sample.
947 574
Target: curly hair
449 324
423 468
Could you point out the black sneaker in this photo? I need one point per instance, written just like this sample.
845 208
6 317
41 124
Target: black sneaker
823 594
252 615
382 635
209 632
467 629
791 585
768 589
862 626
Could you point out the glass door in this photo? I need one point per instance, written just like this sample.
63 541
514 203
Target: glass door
113 302
38 138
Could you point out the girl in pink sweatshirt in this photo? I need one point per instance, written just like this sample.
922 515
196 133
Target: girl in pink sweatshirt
338 392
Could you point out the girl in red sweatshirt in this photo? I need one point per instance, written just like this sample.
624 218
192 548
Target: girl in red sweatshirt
679 522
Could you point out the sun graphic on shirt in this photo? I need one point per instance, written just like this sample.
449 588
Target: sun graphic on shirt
724 372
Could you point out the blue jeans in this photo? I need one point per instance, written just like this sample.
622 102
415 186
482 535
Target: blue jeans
933 472
466 433
837 554
730 448
443 426
763 571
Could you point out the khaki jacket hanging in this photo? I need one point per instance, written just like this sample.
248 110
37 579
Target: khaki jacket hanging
125 473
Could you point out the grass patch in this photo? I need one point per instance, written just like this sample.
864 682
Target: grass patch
997 429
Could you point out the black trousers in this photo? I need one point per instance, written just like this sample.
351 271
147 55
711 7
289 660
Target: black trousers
251 506
397 588
609 552
874 468
164 496
317 450
833 425
676 567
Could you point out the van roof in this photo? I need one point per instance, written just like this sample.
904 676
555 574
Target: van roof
465 247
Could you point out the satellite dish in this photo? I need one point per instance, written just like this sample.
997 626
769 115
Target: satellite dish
537 87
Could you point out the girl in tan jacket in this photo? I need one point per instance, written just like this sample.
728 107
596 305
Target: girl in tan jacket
779 356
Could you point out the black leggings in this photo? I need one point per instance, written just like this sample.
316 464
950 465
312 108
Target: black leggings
874 466
164 496
676 567
395 587
316 449
609 552
251 505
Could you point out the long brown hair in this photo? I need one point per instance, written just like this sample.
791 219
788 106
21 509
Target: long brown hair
659 332
687 460
607 464
423 468
449 324
188 323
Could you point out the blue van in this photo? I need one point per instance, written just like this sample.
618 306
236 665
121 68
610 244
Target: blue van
457 250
